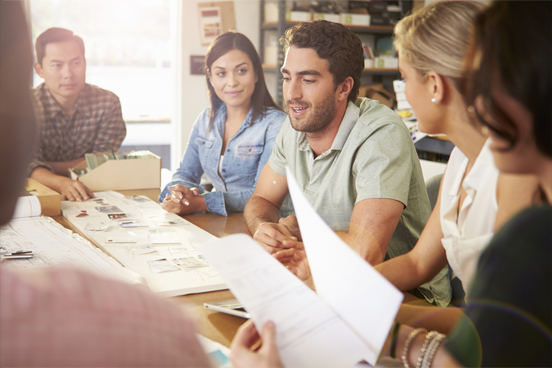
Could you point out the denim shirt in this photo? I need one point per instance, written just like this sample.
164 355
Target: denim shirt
246 154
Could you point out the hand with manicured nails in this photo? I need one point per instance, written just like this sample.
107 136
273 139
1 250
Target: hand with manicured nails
184 200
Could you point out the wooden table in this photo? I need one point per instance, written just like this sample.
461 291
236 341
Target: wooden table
216 326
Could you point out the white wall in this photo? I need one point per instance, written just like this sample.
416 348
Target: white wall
191 90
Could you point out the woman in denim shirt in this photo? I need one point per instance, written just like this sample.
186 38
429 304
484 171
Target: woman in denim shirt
232 140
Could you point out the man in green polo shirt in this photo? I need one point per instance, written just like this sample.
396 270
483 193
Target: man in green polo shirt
353 157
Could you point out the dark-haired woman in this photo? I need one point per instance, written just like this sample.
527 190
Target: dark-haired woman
232 140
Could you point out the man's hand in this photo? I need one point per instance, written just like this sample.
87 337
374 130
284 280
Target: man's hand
184 200
242 354
74 190
293 226
271 236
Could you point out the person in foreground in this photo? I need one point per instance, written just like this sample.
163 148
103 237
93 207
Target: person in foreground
230 141
75 117
507 320
475 199
62 317
352 157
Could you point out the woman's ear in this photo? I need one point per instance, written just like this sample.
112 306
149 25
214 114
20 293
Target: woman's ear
437 86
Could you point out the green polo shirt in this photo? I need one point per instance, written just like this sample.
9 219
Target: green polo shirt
372 156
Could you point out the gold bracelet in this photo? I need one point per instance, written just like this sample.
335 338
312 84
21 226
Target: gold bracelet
427 340
409 339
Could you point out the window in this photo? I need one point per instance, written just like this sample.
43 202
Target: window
129 50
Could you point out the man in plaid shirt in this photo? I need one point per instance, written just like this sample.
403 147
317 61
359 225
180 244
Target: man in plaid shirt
75 117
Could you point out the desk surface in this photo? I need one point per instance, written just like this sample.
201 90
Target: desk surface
216 326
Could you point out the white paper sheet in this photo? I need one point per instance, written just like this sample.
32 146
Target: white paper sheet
308 332
161 235
363 298
54 247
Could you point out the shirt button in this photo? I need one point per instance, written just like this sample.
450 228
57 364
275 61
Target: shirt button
223 170
228 150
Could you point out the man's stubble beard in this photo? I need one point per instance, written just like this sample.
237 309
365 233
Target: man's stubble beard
320 117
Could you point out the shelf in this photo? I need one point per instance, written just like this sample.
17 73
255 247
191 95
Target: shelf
381 71
356 29
272 68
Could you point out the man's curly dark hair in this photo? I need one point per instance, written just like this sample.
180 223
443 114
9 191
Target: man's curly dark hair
333 42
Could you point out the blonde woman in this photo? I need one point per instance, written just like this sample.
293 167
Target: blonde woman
474 199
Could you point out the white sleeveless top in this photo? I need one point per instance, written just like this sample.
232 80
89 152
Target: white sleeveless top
466 237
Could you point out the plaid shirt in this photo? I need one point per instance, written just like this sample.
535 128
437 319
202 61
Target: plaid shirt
67 318
96 125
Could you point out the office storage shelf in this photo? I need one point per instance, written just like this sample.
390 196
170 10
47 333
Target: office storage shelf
387 71
357 29
280 27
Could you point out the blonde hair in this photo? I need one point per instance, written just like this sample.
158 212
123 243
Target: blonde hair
436 37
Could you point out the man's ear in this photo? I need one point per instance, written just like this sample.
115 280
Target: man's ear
38 69
344 89
437 87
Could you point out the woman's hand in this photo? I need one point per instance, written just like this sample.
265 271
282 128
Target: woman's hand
295 259
242 354
184 200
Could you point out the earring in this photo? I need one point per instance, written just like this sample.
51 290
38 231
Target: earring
433 100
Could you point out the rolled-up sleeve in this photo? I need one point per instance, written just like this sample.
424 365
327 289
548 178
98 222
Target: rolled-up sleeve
189 171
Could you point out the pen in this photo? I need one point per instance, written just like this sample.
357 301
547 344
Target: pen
19 254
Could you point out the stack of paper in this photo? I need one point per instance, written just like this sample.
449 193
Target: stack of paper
145 238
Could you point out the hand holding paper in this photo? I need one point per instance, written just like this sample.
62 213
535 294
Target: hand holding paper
348 320
363 298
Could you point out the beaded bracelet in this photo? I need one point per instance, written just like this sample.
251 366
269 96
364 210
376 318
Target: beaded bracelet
394 339
428 339
409 339
425 360
432 349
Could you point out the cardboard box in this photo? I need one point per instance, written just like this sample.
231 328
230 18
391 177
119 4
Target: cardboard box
271 12
351 19
379 20
144 173
379 93
50 200
368 63
377 7
325 16
387 62
298 16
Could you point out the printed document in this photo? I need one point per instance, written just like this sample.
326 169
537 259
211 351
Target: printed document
346 322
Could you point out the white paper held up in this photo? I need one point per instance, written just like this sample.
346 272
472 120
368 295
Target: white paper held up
308 332
360 295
